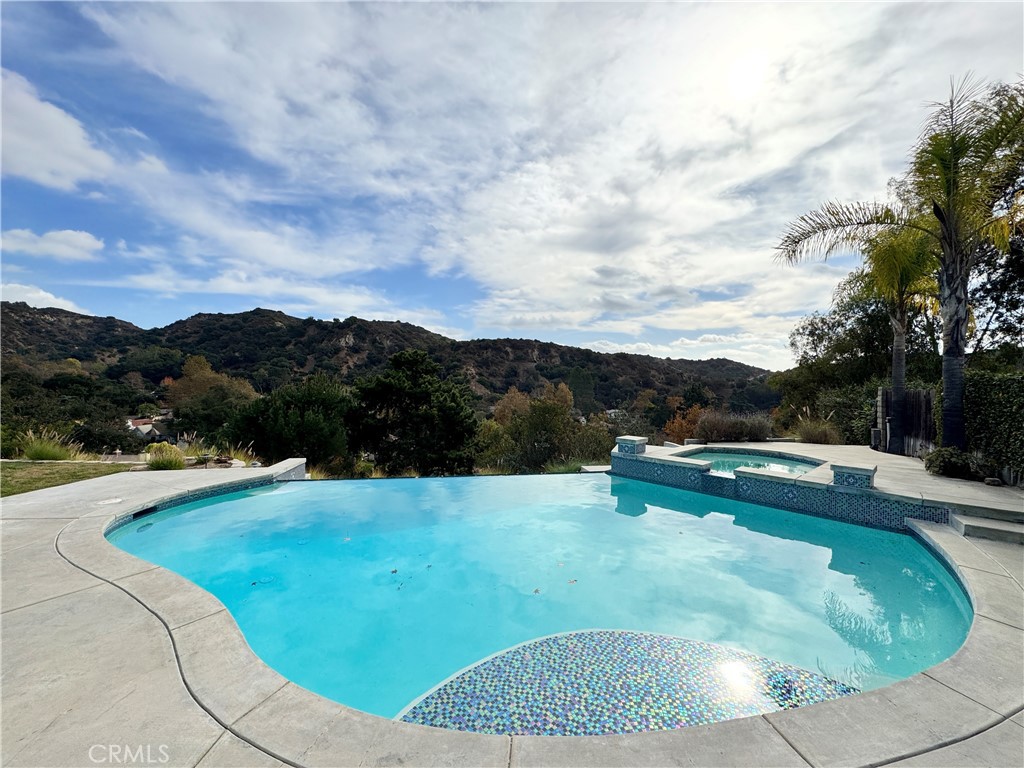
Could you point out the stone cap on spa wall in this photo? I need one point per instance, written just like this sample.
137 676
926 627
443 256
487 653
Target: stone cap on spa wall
631 444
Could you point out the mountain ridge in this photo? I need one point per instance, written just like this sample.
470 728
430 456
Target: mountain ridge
271 348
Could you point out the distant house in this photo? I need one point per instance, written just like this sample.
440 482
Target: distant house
150 430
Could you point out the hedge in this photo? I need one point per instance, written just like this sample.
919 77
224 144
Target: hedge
994 417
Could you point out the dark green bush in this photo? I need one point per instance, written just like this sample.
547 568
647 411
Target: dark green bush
994 416
949 462
853 410
106 437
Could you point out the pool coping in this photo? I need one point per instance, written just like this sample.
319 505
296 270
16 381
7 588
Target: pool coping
977 689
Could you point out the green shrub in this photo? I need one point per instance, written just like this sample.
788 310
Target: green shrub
10 442
758 426
853 408
50 445
38 449
166 456
106 437
821 431
994 417
562 468
195 446
239 452
949 462
362 469
723 427
492 471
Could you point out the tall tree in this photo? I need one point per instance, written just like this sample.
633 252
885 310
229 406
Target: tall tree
900 269
205 401
305 419
968 160
413 419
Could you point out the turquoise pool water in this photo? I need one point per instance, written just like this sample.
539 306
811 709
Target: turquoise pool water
373 592
725 462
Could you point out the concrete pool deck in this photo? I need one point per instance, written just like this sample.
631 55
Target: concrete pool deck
109 660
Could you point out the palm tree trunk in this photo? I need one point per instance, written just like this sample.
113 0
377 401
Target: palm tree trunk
899 382
953 308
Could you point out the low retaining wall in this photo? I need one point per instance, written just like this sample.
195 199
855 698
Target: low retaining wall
843 493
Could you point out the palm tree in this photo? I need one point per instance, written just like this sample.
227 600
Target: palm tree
968 160
901 266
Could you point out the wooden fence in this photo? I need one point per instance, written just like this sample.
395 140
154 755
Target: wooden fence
918 420
919 433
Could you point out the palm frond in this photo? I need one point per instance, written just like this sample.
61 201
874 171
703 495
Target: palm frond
836 225
970 156
899 263
957 114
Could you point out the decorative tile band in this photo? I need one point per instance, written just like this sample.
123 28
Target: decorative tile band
602 682
854 504
188 497
851 479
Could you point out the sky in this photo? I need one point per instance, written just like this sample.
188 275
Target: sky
612 176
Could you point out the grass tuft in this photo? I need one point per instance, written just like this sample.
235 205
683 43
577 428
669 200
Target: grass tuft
50 445
818 431
562 467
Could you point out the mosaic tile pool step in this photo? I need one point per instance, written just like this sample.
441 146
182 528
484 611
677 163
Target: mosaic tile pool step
602 681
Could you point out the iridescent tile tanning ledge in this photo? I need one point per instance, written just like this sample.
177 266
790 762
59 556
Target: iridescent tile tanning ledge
601 682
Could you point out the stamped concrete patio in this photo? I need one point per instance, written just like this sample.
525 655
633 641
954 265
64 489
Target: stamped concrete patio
109 660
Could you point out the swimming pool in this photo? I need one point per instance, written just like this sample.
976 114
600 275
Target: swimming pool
378 593
726 462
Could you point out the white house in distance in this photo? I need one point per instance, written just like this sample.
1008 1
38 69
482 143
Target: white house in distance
150 430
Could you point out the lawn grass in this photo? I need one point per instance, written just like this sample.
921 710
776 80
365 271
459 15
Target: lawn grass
23 476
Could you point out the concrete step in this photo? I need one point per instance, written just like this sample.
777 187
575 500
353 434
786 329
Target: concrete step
987 528
1012 514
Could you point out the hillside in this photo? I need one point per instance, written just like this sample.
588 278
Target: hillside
54 334
271 348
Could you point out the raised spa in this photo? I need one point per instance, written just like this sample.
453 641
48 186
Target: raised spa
725 462
565 604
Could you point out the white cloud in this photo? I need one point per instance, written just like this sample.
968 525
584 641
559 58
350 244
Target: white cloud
63 244
37 297
619 170
43 143
764 350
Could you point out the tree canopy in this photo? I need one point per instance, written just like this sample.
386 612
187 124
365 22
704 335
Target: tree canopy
412 419
961 191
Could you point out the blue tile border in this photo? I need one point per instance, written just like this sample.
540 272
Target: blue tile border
188 497
851 500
